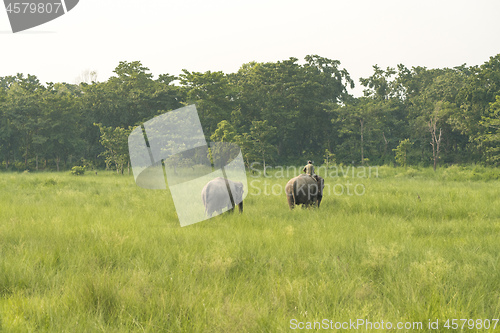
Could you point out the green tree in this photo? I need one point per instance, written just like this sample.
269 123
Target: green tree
212 94
295 99
225 132
362 129
379 85
329 157
126 99
60 137
258 143
382 115
402 152
430 100
490 137
23 114
475 99
225 148
115 143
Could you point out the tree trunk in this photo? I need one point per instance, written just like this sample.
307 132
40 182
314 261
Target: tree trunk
264 161
438 143
57 163
435 141
385 144
26 157
328 155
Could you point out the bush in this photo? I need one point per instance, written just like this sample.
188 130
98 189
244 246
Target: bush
77 170
19 166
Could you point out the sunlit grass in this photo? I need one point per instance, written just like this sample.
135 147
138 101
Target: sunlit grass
98 253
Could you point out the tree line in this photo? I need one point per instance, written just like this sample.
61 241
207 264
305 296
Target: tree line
283 112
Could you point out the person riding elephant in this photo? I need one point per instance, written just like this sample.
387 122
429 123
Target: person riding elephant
309 170
304 190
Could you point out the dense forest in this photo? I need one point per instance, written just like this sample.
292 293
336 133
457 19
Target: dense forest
280 113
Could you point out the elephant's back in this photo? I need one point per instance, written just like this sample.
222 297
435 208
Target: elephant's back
299 182
216 185
304 180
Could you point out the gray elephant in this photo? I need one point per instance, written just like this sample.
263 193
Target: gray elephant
215 196
304 190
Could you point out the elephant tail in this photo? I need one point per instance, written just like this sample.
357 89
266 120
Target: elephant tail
291 196
204 196
294 191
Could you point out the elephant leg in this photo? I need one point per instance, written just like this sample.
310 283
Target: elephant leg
291 203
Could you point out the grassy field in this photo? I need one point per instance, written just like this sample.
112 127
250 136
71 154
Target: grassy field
97 253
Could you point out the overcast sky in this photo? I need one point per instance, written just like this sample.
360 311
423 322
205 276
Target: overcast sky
197 35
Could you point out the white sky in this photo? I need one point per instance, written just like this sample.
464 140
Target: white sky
197 35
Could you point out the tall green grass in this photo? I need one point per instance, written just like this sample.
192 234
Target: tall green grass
98 253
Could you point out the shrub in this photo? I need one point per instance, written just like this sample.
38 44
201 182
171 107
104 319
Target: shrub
77 170
402 152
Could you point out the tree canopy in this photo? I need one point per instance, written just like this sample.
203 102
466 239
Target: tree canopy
283 112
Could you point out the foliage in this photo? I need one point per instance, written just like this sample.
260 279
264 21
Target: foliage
115 143
223 144
257 144
329 158
489 139
279 112
77 170
402 152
